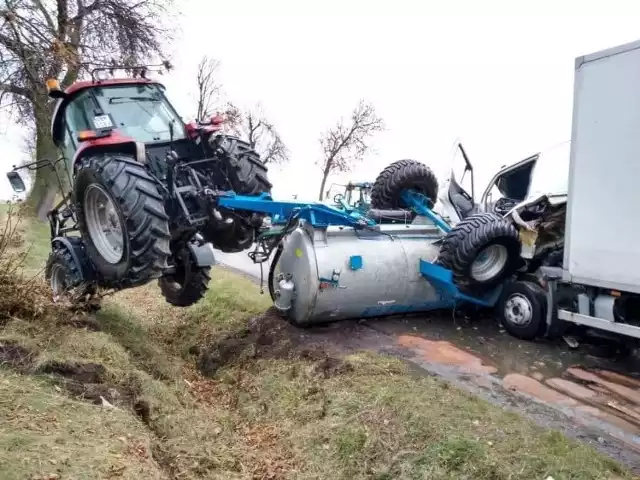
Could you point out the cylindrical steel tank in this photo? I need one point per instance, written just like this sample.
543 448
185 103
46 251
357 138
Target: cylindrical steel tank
321 275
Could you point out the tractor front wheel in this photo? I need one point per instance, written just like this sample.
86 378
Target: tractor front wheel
122 220
188 284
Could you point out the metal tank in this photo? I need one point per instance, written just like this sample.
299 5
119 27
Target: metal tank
335 273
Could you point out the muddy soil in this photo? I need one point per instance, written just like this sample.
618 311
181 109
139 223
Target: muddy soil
269 337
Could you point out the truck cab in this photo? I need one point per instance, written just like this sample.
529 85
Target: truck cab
546 172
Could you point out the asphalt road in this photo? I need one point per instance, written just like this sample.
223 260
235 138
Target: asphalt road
242 263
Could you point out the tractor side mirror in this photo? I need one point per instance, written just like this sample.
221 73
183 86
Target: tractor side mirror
16 182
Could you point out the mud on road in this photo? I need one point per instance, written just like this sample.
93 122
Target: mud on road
590 398
590 393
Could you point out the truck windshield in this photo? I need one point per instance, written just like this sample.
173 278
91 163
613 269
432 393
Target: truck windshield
551 172
141 112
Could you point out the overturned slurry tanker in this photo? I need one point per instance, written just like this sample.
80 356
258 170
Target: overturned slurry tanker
323 273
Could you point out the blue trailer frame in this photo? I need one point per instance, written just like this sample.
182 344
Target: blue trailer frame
321 215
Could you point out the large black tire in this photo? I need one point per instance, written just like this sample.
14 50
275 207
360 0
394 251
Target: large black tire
237 238
188 285
62 272
246 173
523 309
464 244
399 176
140 210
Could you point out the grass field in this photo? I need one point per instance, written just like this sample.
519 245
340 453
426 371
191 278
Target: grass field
144 390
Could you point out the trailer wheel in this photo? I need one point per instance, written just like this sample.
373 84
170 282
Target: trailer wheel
122 220
481 251
188 284
403 175
523 309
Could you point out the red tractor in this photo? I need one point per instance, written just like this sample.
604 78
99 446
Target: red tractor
143 190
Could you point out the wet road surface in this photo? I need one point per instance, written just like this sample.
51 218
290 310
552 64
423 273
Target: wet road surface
591 392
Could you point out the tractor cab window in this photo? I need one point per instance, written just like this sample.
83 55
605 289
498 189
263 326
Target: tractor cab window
78 112
141 112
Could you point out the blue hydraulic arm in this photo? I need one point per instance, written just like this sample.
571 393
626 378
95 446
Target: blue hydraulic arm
418 203
317 214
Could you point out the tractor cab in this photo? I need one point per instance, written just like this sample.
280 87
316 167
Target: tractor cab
134 113
353 195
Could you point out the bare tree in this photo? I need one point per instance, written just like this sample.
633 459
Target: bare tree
255 128
263 136
209 100
208 87
252 124
346 142
65 39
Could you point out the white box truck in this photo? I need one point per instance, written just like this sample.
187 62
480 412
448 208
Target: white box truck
602 234
581 247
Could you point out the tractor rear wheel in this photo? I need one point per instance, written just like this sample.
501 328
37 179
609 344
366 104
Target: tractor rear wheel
247 176
122 219
234 239
246 173
399 176
481 251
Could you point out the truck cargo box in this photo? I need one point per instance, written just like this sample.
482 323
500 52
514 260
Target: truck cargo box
602 246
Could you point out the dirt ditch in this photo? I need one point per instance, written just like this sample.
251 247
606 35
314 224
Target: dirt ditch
269 337
81 381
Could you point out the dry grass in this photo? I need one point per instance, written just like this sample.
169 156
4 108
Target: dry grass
47 435
271 410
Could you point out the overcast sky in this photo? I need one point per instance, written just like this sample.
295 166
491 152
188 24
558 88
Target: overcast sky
496 74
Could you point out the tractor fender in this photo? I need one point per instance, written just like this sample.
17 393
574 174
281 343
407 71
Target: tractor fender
115 142
202 254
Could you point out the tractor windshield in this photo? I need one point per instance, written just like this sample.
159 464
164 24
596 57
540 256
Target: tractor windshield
141 112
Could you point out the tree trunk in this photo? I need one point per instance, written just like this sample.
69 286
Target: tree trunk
325 175
45 184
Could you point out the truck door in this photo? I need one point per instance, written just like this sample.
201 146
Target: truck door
460 190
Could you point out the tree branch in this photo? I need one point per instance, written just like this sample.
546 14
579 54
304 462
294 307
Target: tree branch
16 90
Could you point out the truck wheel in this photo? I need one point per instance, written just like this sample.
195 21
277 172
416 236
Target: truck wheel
246 173
481 251
188 284
523 309
122 219
399 176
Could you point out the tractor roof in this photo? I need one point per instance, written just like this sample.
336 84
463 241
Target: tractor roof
83 85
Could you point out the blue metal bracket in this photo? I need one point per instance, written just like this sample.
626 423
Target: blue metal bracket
317 214
418 203
442 279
